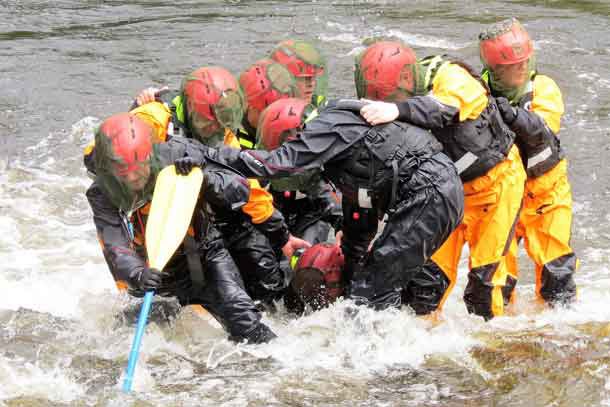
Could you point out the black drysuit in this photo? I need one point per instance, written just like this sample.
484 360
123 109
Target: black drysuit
201 271
310 214
395 169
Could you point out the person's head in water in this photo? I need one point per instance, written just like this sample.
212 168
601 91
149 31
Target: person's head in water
307 65
264 82
124 160
214 102
507 51
387 71
318 275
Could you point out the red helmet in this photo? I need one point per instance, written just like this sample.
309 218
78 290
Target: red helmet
265 82
130 142
385 69
300 57
280 122
214 101
318 275
123 160
505 43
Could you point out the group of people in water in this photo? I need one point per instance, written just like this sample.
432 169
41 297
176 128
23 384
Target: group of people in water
433 154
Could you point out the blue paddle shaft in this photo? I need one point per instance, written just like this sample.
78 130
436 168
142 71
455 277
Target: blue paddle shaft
137 340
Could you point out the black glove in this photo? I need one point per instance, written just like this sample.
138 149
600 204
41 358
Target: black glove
149 279
184 165
508 112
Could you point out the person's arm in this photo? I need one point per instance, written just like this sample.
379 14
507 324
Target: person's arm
225 189
309 151
148 95
456 96
229 191
331 206
265 217
543 117
128 268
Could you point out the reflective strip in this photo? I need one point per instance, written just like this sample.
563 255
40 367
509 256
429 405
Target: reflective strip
312 115
90 147
294 260
538 158
466 161
433 66
246 143
364 199
178 103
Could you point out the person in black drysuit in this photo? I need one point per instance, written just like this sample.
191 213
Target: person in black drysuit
201 271
395 169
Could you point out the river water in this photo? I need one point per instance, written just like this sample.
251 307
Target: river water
64 339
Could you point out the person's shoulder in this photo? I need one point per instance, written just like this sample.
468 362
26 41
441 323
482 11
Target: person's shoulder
338 112
97 198
544 83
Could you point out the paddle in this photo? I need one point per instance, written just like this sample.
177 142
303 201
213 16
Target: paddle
170 215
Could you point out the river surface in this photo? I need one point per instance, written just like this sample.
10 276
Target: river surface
64 337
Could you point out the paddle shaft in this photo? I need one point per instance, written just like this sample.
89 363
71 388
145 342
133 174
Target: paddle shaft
137 341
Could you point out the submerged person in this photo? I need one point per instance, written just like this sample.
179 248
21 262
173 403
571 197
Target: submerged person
202 270
396 170
318 278
532 106
446 97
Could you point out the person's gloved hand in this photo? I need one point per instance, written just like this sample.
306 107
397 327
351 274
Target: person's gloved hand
377 112
149 279
508 112
184 165
293 244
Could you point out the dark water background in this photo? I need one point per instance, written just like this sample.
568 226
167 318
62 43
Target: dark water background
66 64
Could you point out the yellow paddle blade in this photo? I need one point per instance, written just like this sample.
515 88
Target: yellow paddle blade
171 210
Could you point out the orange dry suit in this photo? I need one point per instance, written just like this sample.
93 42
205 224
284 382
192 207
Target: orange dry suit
465 119
546 218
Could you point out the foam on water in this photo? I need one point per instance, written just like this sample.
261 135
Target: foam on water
347 33
356 339
27 378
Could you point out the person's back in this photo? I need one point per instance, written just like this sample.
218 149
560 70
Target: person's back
395 169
